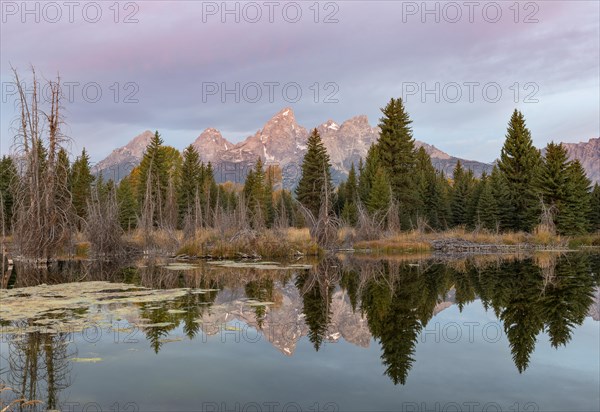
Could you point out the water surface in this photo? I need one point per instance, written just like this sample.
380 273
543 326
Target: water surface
345 333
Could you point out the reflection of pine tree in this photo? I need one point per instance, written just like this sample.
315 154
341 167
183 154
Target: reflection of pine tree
521 316
261 290
565 301
317 287
465 292
155 334
392 305
316 308
350 282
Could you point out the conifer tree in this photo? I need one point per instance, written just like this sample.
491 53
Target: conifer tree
437 203
487 207
154 179
520 164
473 202
350 196
564 188
8 177
553 175
461 191
573 216
367 173
397 155
316 174
127 204
189 182
594 213
501 195
81 185
430 201
380 195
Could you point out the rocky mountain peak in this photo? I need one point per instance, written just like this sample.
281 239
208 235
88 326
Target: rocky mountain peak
121 160
357 121
588 154
330 125
211 144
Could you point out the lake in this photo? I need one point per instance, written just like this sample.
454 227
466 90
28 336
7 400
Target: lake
344 333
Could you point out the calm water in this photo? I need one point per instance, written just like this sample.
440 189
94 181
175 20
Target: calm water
345 333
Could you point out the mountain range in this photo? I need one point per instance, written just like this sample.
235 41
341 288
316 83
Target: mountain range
282 141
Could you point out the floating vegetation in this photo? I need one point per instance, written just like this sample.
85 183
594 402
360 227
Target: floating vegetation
156 325
264 265
181 266
66 307
168 340
86 360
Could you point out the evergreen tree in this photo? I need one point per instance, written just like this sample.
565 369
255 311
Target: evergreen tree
189 182
367 173
437 204
431 203
81 185
350 195
316 174
487 206
423 175
154 171
501 195
573 216
380 195
594 214
127 204
520 163
461 190
8 181
473 202
397 155
258 190
565 188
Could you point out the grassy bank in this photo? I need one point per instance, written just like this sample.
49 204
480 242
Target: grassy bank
281 243
414 241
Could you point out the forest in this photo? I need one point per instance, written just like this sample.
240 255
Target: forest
54 206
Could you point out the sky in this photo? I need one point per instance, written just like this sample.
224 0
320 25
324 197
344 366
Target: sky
182 66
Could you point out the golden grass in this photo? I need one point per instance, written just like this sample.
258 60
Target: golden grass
400 242
211 242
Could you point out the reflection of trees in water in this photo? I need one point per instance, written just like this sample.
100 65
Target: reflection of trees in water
38 366
398 299
261 290
528 296
316 287
398 304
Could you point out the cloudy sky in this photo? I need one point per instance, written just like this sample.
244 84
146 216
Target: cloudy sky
180 67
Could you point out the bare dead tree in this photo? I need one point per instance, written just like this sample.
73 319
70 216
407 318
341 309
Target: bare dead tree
41 221
102 227
323 228
392 217
547 216
170 218
281 220
368 227
146 219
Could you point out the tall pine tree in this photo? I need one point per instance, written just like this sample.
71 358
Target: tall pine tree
520 165
397 156
81 185
316 174
594 213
